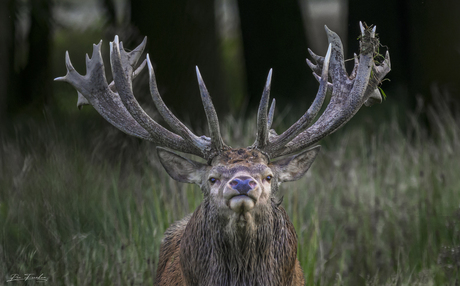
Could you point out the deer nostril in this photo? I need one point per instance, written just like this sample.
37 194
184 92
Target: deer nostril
243 186
233 183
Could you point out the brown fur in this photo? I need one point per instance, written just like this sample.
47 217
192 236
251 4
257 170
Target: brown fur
169 271
242 156
196 251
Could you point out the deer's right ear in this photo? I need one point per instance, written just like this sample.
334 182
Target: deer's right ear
181 169
293 168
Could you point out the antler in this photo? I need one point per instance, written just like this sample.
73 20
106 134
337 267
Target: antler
349 93
117 104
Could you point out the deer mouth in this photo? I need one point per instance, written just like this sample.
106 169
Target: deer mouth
241 203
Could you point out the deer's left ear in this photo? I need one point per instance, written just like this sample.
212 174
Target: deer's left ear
180 168
293 168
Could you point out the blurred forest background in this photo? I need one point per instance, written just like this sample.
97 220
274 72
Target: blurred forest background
85 204
233 42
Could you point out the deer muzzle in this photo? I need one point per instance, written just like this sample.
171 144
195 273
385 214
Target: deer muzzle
242 193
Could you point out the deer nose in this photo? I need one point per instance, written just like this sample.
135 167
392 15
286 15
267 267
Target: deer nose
243 184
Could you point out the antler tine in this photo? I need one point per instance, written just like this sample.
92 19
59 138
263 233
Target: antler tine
140 68
135 55
81 100
311 113
94 89
329 85
133 58
379 73
135 74
355 67
271 114
169 117
318 59
337 68
122 71
211 115
348 94
262 119
315 68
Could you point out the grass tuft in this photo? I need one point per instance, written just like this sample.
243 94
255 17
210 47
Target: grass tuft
378 207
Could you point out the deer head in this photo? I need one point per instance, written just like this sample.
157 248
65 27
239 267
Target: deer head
239 234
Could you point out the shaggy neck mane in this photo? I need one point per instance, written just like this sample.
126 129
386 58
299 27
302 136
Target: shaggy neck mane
215 251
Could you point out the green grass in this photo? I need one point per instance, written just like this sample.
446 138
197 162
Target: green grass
380 206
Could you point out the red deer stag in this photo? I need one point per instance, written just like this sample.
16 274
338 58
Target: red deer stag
239 235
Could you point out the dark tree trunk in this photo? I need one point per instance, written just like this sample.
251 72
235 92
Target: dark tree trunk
182 35
274 37
34 84
435 46
7 17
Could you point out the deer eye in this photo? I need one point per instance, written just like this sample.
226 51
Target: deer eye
269 178
212 180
